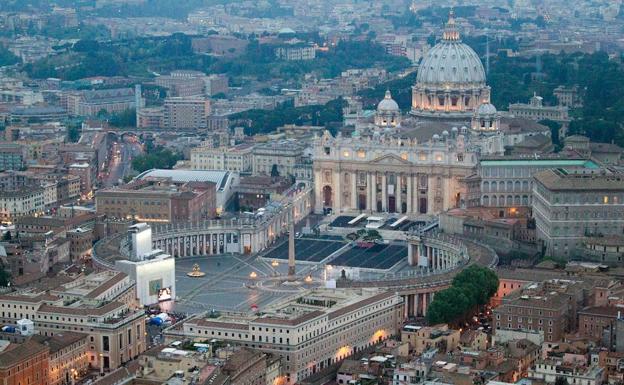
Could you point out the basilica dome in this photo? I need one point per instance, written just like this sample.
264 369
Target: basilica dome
451 81
451 63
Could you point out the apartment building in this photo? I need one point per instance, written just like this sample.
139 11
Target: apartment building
186 112
308 331
12 156
26 363
549 307
90 103
550 370
421 339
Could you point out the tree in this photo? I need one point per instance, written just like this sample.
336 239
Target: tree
73 134
554 132
274 171
5 277
473 286
159 157
561 381
125 118
448 305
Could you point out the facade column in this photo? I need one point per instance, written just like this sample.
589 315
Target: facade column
430 257
374 193
424 305
338 193
369 195
384 193
354 198
318 192
409 194
416 303
397 194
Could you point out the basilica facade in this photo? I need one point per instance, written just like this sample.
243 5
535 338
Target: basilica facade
386 174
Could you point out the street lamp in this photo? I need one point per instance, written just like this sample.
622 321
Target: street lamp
328 269
101 364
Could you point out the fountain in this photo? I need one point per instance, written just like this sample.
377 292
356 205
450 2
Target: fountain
196 273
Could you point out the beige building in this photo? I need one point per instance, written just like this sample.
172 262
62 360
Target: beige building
21 202
285 155
186 112
235 159
308 331
388 175
439 337
569 206
99 305
160 363
536 110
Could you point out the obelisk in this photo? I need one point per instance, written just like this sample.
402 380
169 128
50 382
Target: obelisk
291 250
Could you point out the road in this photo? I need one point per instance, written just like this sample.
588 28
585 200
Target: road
120 160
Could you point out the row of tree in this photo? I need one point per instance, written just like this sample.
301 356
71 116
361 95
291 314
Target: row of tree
265 121
144 56
158 157
471 288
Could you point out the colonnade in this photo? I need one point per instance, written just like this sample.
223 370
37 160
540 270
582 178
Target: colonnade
415 305
435 252
240 236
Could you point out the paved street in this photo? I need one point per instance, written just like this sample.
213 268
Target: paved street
120 163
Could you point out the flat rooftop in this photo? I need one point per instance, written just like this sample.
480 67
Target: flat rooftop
218 177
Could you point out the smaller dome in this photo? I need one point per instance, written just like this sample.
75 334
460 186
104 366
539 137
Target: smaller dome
454 129
388 104
436 137
445 133
486 109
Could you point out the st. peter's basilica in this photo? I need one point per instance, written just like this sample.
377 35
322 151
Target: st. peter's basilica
416 164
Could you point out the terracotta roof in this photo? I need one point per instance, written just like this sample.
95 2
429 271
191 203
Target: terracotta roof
26 298
608 311
240 360
18 353
59 340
